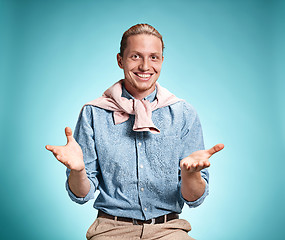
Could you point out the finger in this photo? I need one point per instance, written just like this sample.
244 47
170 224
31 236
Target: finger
201 164
68 133
207 164
216 149
185 165
61 159
204 164
194 165
49 147
55 150
58 155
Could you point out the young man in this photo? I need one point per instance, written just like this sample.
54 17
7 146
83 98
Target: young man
141 147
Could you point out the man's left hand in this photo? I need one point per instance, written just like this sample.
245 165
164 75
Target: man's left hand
199 160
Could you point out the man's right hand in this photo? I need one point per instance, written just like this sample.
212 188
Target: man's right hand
71 154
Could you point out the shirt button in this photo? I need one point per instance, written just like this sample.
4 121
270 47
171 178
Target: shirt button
142 189
140 144
141 166
145 209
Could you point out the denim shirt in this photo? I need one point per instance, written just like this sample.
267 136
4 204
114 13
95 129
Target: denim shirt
137 173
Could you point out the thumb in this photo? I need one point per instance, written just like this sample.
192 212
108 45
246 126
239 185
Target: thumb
68 133
216 149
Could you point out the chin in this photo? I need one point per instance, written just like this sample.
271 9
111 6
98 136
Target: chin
145 86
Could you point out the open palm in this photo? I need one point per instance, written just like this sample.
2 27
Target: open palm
71 154
199 160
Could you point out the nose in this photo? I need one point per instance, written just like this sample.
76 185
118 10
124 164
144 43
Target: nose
144 66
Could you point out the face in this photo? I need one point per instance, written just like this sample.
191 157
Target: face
141 63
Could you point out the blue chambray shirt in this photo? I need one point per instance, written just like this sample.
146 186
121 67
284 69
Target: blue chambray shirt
138 173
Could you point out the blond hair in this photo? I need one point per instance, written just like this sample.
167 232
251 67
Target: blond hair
138 29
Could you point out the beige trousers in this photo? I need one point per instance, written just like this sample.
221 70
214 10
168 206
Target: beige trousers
107 229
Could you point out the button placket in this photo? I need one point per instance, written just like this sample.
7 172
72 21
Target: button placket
141 168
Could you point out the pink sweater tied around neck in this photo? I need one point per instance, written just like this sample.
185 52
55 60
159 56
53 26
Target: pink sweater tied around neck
142 109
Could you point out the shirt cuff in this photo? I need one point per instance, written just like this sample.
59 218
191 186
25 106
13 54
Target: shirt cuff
81 200
199 201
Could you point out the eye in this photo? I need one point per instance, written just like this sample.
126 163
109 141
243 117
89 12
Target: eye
135 56
154 57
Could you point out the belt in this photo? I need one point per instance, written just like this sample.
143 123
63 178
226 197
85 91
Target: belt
161 219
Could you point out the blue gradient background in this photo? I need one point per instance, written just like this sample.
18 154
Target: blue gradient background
224 57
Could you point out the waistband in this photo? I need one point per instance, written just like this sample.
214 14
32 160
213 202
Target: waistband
160 219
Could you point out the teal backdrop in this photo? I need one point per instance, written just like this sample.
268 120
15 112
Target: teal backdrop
224 57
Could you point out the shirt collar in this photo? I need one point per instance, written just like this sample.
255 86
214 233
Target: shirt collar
151 97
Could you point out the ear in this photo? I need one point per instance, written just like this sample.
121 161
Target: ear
120 61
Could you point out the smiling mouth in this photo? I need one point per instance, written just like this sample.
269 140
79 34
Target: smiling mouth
143 76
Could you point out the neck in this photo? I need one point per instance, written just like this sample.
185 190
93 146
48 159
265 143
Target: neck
139 94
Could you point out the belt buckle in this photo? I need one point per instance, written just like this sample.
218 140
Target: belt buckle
135 222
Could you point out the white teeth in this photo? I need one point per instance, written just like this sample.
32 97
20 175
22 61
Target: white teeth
144 75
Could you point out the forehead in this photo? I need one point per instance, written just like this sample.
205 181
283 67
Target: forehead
144 43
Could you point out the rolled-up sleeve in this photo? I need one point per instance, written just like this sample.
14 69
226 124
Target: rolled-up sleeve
191 141
199 201
84 135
